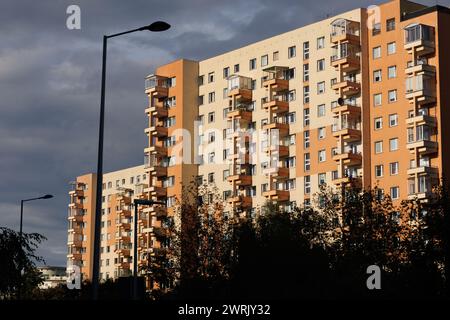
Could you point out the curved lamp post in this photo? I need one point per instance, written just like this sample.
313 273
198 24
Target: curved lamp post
157 26
47 196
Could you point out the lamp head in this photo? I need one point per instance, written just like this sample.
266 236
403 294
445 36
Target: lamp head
47 196
157 26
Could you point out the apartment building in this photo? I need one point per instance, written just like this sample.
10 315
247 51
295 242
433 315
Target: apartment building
356 98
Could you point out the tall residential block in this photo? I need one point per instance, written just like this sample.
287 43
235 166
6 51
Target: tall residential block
357 98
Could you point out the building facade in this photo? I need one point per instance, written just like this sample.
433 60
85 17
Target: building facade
356 98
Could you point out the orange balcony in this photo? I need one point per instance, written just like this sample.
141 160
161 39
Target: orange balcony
241 94
157 131
420 68
280 150
275 79
240 113
157 231
124 199
157 86
124 224
283 128
348 63
74 256
156 191
240 179
419 39
240 201
423 170
75 215
156 211
123 251
157 170
154 251
347 87
348 158
158 111
124 211
156 150
423 146
421 120
77 193
241 157
276 105
278 172
356 181
347 109
123 236
343 30
347 133
76 205
276 195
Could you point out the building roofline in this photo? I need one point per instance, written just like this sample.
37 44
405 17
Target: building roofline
427 10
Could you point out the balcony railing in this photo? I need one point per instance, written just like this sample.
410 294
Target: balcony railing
346 125
419 32
154 81
236 82
342 27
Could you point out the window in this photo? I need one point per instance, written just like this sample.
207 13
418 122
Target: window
395 192
306 139
321 65
211 137
264 60
391 48
376 29
236 68
307 184
170 102
393 120
307 162
211 177
392 95
379 171
377 99
322 155
377 76
226 72
321 87
321 133
200 100
201 80
291 52
376 52
392 72
292 139
210 77
211 117
211 157
322 178
390 24
306 50
225 93
321 43
321 110
378 146
306 94
306 72
211 97
291 95
291 117
393 144
275 56
252 64
306 117
169 182
378 123
393 168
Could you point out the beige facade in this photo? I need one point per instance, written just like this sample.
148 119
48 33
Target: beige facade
355 98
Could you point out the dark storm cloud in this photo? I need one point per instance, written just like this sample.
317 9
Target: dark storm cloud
50 81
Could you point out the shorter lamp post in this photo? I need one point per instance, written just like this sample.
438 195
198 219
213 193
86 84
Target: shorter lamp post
47 196
135 242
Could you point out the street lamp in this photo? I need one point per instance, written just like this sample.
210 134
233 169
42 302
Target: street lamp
135 241
47 196
154 27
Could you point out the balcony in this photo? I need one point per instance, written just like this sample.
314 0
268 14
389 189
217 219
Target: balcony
123 250
75 241
278 149
343 30
156 170
156 150
347 131
240 179
419 39
240 88
352 180
349 158
124 224
157 111
157 231
423 170
240 201
123 236
277 172
278 104
275 79
157 191
76 205
347 87
346 57
157 131
421 89
124 198
423 146
421 120
348 108
74 256
240 157
156 211
156 86
276 195
278 124
242 112
420 67
124 211
75 214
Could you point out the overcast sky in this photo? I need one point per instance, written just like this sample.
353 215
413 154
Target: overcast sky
50 86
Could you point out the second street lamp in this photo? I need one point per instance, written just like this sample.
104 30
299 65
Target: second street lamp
154 27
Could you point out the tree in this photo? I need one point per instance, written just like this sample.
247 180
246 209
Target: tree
16 252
